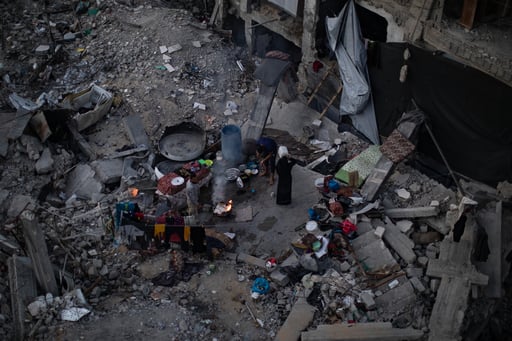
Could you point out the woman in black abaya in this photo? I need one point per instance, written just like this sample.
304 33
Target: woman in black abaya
284 180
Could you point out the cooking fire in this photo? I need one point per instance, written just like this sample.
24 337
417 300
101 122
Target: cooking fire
223 209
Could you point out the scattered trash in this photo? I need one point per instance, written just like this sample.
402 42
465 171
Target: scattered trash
240 65
174 48
95 98
271 264
169 67
199 106
196 43
260 287
73 314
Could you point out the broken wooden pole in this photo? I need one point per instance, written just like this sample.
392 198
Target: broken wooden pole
23 287
38 253
83 145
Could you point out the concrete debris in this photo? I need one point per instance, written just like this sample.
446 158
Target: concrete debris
95 98
299 319
45 162
80 191
361 331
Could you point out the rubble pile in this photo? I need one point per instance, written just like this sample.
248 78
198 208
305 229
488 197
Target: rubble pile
96 228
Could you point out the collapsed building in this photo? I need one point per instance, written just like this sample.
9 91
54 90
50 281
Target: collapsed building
418 99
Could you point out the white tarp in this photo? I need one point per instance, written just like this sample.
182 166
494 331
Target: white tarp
346 40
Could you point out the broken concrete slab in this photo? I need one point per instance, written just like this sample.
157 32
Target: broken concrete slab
33 145
279 277
490 219
399 242
454 261
373 253
82 183
397 298
437 223
243 257
135 129
40 125
404 225
45 162
18 204
411 212
457 276
299 319
243 214
416 283
376 178
12 125
378 331
108 171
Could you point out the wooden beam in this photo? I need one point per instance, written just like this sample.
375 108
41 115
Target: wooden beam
38 252
468 13
23 288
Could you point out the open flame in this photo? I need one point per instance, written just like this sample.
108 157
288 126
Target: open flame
223 208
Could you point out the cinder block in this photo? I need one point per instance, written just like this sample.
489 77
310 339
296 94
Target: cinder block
379 231
243 257
279 277
416 283
367 300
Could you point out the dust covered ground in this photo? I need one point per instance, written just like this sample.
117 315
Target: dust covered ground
119 49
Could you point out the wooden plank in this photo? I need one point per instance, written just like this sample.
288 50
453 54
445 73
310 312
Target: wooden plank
214 13
331 101
260 112
324 77
82 143
468 13
23 288
38 252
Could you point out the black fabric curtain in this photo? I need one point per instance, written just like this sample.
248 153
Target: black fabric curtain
469 111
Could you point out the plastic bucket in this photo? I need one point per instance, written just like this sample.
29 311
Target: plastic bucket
231 144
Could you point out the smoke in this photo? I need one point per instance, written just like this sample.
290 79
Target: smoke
219 182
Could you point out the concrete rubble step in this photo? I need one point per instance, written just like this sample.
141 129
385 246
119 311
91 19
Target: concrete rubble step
399 242
457 276
397 295
411 212
373 253
379 331
299 319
